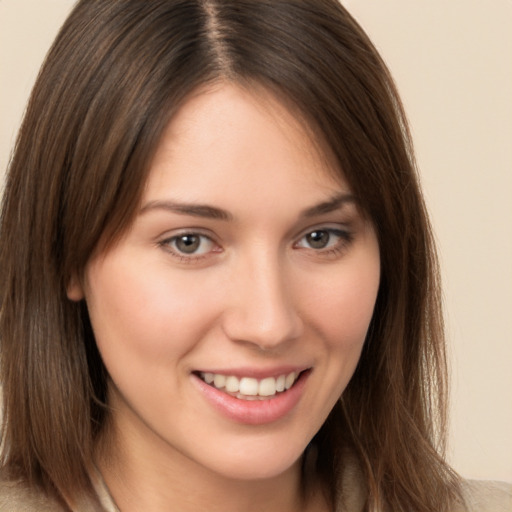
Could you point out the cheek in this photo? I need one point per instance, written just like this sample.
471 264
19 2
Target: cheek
144 315
343 305
340 307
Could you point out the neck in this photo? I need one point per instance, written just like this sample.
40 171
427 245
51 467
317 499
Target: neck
159 478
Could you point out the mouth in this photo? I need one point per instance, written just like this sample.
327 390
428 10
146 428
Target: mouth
249 388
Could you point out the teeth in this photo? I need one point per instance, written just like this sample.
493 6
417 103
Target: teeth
290 379
232 384
208 377
248 387
280 382
267 387
219 381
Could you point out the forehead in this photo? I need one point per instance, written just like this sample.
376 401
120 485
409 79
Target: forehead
229 134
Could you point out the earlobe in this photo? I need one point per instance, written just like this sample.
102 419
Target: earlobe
74 289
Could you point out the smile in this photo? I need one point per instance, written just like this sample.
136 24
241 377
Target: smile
251 398
249 388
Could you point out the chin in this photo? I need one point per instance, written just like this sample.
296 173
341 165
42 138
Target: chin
264 464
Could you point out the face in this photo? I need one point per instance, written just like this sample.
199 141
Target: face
232 313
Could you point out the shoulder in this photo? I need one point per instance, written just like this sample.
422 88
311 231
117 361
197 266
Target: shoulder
478 496
15 496
483 496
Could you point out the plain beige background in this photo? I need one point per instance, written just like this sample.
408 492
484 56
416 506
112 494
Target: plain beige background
452 61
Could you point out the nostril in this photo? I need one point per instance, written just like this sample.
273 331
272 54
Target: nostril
267 330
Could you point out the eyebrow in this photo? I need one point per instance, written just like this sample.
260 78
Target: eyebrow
331 205
192 209
212 212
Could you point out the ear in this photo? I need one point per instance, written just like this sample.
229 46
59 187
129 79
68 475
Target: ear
74 289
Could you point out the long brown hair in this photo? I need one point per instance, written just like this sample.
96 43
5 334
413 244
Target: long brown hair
110 84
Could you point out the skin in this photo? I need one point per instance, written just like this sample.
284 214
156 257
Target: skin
256 294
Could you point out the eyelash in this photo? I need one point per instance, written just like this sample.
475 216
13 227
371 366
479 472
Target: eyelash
345 238
168 243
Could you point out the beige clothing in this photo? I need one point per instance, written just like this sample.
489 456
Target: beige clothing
20 498
488 496
480 496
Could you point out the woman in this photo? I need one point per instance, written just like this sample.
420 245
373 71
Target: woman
219 288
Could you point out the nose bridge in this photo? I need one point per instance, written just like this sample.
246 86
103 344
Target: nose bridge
262 309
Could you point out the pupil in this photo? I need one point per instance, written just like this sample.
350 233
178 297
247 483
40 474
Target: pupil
318 239
188 243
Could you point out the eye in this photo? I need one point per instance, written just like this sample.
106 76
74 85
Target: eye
322 239
318 239
189 244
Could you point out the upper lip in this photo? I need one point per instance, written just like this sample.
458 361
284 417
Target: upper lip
256 373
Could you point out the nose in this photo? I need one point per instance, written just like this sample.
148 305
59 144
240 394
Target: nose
262 305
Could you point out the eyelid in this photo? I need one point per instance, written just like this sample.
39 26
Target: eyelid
332 227
342 231
168 238
173 233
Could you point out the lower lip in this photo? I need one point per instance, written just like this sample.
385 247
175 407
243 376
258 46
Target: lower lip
253 412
